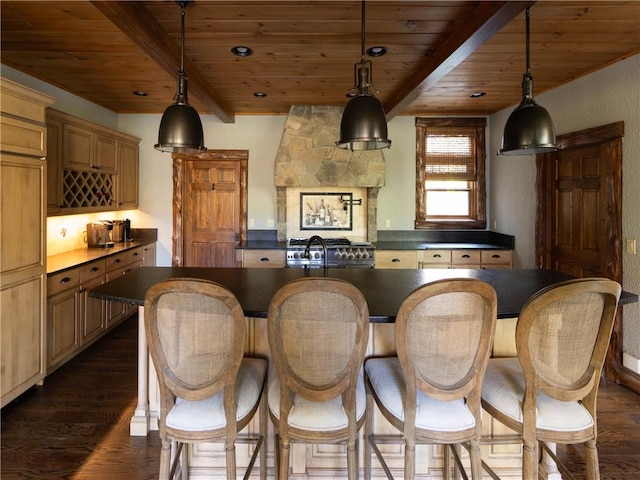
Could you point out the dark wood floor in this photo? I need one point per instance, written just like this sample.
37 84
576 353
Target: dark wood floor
77 425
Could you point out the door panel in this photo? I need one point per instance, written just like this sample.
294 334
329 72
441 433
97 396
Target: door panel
579 218
209 207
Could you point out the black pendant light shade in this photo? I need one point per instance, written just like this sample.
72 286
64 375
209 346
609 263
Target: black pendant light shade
529 129
180 128
363 125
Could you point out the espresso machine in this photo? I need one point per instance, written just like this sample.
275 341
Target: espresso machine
99 234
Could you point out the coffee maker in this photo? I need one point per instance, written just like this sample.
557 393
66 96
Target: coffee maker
122 231
99 234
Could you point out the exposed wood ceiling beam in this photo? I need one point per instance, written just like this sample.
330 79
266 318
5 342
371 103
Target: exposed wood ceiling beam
136 22
487 19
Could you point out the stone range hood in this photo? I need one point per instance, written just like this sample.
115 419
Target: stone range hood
308 158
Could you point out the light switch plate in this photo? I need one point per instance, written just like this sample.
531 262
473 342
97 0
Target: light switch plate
631 246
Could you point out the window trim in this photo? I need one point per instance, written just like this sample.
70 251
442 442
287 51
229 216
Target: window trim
478 218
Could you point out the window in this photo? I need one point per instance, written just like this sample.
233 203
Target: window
450 176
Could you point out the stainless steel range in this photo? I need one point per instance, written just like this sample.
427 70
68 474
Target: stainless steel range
338 253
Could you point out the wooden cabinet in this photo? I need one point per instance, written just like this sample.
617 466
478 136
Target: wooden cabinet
264 258
91 168
396 259
85 149
467 258
149 255
434 258
128 166
496 258
63 312
92 310
22 238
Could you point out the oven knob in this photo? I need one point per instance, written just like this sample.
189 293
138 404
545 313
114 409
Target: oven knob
358 255
350 256
338 255
317 255
365 255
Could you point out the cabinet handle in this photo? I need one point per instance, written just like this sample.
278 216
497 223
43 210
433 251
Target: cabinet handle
264 259
437 255
64 280
94 269
128 270
135 254
495 256
116 261
466 256
395 260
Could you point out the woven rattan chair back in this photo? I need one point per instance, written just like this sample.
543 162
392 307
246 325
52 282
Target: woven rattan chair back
318 330
444 333
562 336
549 394
196 331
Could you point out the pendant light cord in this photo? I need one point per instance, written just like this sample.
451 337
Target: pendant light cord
362 35
182 15
527 39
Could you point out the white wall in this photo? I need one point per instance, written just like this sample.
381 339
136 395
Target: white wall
606 96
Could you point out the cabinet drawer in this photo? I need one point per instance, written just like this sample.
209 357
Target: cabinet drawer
434 256
114 262
59 282
465 257
264 258
135 255
496 257
396 259
92 270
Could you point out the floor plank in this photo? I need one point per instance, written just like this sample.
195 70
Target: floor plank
76 426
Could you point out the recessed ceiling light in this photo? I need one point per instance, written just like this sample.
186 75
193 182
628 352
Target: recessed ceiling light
260 94
139 93
478 94
376 51
241 51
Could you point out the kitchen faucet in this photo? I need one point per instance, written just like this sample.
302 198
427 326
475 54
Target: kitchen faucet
324 249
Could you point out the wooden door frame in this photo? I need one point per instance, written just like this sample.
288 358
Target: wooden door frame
545 215
179 187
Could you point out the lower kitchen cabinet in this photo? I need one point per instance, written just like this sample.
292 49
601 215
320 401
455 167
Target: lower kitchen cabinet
396 259
264 258
63 305
75 319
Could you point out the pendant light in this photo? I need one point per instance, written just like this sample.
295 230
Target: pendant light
529 129
363 125
180 127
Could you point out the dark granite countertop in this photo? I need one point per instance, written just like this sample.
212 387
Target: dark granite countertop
80 256
384 289
402 245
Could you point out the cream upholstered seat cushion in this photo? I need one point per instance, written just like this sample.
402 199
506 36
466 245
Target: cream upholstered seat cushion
208 414
503 388
317 416
387 380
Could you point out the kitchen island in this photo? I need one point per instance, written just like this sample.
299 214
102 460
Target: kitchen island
384 291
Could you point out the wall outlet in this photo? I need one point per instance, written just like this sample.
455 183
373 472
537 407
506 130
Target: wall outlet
252 222
270 223
631 362
495 225
387 223
631 246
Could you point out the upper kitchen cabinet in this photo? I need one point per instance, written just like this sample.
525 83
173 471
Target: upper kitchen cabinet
91 168
22 238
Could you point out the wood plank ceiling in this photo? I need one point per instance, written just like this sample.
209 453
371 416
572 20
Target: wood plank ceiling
439 52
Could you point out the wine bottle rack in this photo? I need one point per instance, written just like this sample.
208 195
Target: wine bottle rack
87 189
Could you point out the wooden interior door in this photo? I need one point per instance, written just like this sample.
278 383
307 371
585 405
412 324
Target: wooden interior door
210 197
579 217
